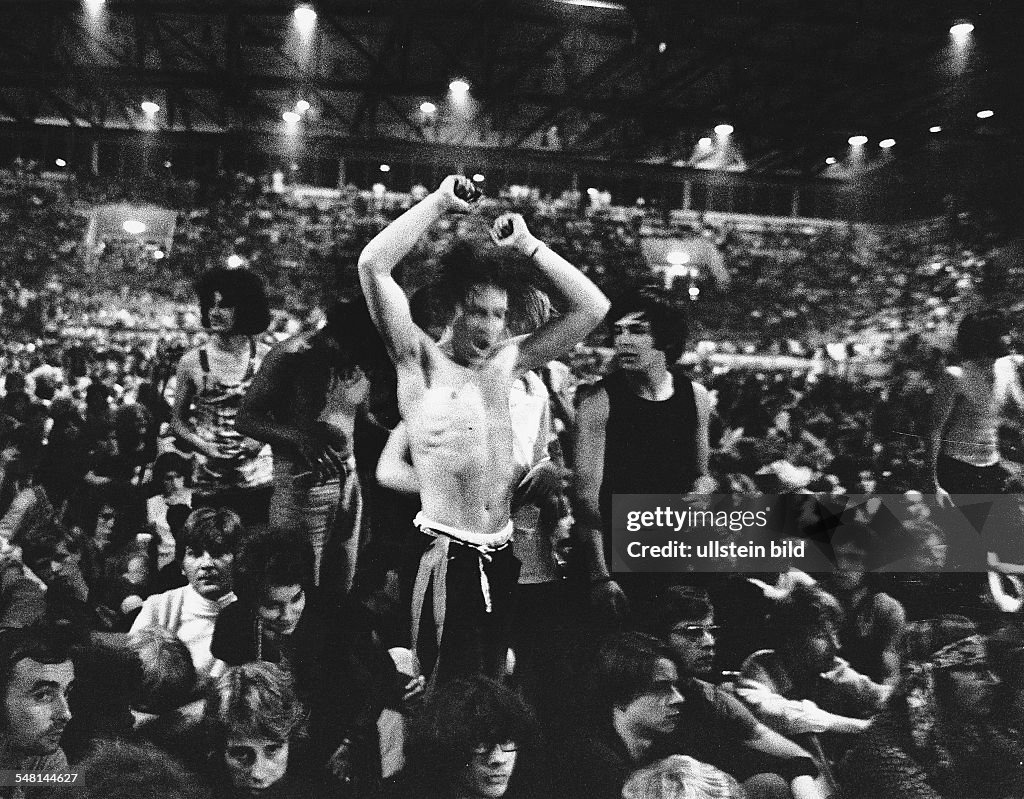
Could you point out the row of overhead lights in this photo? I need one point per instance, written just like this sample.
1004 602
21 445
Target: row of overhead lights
885 144
960 31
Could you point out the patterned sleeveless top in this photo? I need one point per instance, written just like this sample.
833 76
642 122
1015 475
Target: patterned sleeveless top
244 462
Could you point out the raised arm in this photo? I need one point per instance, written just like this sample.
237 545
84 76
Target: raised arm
586 306
389 307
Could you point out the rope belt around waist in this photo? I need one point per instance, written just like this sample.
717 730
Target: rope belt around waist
434 566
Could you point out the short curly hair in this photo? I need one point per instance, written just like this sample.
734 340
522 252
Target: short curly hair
240 289
460 716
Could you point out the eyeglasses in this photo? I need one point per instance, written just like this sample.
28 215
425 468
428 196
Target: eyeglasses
696 631
484 750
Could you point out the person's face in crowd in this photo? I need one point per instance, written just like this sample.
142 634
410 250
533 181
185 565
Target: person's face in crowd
866 482
930 555
173 482
917 509
51 568
36 706
221 316
105 521
208 574
693 641
281 608
818 648
656 711
634 342
479 324
489 770
972 691
850 565
255 763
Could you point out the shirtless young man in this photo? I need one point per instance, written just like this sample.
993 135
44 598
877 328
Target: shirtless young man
454 399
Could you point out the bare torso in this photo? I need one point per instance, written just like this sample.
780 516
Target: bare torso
460 436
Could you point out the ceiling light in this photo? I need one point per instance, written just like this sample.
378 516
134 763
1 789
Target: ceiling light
385 168
662 47
935 129
988 112
458 86
301 106
134 226
830 160
885 144
235 261
291 117
478 178
856 141
149 107
61 162
724 129
305 19
158 255
704 141
961 29
428 107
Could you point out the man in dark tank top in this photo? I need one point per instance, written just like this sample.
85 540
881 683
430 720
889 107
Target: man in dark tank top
643 429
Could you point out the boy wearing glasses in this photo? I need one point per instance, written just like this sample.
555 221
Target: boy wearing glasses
641 430
715 727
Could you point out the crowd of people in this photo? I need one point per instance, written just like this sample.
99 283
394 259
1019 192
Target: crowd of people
373 556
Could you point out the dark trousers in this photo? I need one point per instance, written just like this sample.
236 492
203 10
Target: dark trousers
473 641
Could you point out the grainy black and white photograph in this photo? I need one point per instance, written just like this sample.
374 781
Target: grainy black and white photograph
523 399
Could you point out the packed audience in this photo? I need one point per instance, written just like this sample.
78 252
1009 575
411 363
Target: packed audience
240 625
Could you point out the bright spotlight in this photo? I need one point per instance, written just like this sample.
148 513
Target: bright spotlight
301 107
385 168
61 163
961 30
704 142
167 164
478 178
235 261
428 107
830 160
149 107
305 19
459 87
694 292
158 255
857 141
885 144
724 129
678 257
988 112
935 129
662 47
94 6
133 226
291 117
